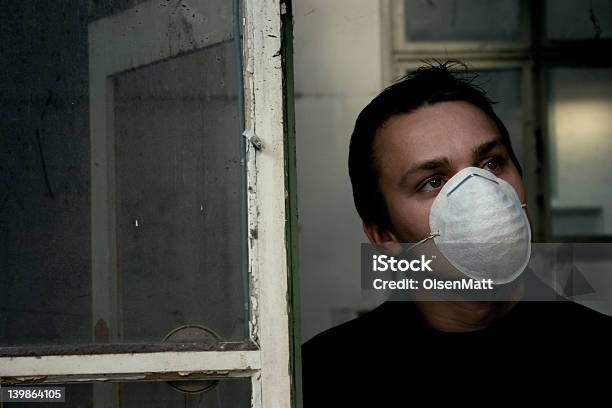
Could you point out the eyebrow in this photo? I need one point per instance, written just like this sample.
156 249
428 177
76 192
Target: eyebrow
441 162
433 164
485 148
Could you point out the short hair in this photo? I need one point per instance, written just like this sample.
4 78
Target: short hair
434 82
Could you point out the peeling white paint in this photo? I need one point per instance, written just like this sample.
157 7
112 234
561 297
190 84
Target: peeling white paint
266 177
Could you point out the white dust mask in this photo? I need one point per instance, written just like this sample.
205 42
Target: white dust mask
478 223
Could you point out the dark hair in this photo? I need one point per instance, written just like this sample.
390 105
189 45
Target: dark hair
434 82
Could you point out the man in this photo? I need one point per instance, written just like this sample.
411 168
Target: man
407 144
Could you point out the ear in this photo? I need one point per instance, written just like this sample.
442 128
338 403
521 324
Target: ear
383 238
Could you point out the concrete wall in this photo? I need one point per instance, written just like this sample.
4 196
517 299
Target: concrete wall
337 72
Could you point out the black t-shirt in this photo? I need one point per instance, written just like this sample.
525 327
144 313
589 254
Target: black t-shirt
391 357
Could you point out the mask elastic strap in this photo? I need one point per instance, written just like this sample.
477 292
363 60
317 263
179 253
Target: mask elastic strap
430 236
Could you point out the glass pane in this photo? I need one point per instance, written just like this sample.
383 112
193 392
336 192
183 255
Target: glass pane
466 20
233 392
227 393
176 179
578 19
504 87
178 196
580 123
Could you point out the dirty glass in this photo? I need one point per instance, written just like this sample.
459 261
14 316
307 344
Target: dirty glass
504 87
580 127
466 20
578 19
176 178
231 392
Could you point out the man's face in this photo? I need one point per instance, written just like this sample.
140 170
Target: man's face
418 152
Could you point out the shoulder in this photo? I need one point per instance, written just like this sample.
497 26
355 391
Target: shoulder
337 336
353 332
559 312
330 357
363 337
577 315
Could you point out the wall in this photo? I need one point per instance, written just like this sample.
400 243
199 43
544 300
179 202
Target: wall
337 72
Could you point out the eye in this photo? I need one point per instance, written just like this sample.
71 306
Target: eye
432 184
494 164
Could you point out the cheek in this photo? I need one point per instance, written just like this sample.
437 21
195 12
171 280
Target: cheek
515 181
410 219
520 189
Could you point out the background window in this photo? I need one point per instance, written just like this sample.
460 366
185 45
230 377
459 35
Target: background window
466 20
504 86
580 127
578 19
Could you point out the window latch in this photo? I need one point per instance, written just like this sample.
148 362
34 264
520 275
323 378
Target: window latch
253 139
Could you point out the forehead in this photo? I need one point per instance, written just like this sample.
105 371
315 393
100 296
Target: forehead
450 129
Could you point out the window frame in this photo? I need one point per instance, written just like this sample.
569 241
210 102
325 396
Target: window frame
266 357
400 44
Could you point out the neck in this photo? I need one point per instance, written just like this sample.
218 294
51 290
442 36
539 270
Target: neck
467 316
